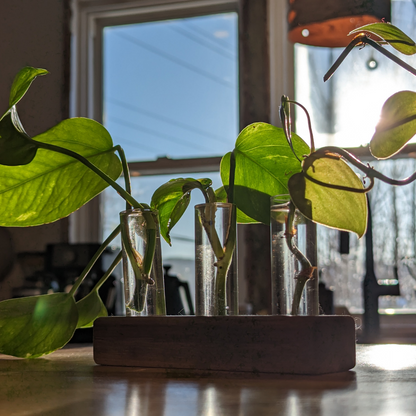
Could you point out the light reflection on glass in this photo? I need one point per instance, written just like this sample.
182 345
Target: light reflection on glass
392 357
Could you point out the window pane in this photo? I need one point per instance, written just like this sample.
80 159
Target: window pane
346 109
171 87
344 112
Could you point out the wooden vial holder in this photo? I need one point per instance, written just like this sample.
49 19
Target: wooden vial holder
309 345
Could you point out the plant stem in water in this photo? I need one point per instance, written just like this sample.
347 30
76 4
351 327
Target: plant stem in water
306 268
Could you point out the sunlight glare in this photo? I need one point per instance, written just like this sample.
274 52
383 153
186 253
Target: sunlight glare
392 357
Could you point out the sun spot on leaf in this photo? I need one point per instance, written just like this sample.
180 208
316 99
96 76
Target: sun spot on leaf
26 215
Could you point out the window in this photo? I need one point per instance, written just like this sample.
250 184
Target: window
169 96
148 31
170 89
344 113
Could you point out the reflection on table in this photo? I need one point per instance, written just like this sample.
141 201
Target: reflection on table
69 383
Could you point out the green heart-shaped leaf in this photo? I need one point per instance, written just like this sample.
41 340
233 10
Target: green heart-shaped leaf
16 148
90 308
334 208
391 34
22 82
53 185
397 125
264 164
171 200
37 325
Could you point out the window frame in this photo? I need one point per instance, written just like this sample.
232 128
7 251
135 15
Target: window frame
257 90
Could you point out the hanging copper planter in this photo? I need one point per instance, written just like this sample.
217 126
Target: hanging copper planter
328 22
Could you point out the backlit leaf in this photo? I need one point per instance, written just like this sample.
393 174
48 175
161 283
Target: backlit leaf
37 325
54 185
334 208
397 125
264 164
171 200
391 34
22 82
90 308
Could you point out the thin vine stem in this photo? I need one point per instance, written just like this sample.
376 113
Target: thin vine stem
363 39
126 172
309 123
367 169
284 114
108 272
91 263
231 178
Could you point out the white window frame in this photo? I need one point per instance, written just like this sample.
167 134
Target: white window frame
89 17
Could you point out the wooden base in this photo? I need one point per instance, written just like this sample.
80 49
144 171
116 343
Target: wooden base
255 344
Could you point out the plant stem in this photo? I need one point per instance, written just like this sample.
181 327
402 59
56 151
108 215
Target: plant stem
222 254
91 263
223 265
309 123
370 172
108 272
389 55
208 222
94 168
357 40
126 172
231 179
306 269
284 114
363 39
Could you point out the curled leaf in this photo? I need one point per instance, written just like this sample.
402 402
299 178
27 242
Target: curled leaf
172 199
22 82
390 34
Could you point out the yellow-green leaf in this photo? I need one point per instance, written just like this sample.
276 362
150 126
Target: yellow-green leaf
397 125
37 325
22 82
334 208
54 185
390 34
90 308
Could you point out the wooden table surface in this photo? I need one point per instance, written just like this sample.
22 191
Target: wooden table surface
69 383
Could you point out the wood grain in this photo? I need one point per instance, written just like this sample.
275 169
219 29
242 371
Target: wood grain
257 344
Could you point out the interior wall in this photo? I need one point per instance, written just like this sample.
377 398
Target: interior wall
35 33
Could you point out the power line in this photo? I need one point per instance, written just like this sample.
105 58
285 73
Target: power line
202 42
160 117
137 145
180 62
158 134
206 34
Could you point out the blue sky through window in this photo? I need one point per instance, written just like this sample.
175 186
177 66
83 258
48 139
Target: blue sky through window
171 87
